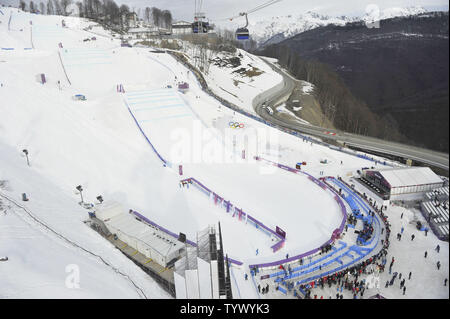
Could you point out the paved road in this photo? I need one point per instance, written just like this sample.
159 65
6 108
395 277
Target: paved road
418 154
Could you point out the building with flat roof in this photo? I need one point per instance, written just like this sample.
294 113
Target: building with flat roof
148 239
181 27
143 32
402 183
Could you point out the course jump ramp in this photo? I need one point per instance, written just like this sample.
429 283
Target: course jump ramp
80 57
160 113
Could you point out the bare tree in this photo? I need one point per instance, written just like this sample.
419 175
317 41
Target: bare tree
42 7
50 8
58 8
156 16
124 11
147 14
32 8
80 8
64 5
167 19
22 5
96 7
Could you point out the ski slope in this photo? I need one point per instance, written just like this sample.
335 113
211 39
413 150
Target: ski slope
103 144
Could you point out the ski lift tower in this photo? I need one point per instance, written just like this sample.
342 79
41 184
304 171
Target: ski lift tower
200 25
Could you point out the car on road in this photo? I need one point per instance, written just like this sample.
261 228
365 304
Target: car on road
268 109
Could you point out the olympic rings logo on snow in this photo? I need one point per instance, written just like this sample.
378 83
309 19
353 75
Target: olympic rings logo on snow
236 125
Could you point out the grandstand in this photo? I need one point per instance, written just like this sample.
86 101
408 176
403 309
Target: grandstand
289 278
435 209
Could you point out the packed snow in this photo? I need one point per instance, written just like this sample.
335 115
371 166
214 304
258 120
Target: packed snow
98 143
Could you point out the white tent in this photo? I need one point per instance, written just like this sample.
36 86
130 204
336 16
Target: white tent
411 180
146 239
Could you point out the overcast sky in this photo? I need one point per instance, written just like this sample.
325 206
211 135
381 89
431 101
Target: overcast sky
218 11
222 9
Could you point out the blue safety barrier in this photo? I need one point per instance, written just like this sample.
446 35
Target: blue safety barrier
282 290
294 270
302 291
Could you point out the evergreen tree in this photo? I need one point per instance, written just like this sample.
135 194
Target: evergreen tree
42 7
32 9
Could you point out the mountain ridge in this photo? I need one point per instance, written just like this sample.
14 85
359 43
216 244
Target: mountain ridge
278 28
399 70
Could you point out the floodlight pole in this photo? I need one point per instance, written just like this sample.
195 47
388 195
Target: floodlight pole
80 189
26 154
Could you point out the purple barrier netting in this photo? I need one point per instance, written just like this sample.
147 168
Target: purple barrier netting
154 149
64 69
242 214
200 188
201 185
278 246
145 219
31 37
322 185
234 261
263 226
287 168
251 222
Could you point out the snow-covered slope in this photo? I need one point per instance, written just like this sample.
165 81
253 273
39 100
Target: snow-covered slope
96 143
278 28
51 253
240 84
393 12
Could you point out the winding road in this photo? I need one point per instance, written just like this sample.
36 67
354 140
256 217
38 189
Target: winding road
275 97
